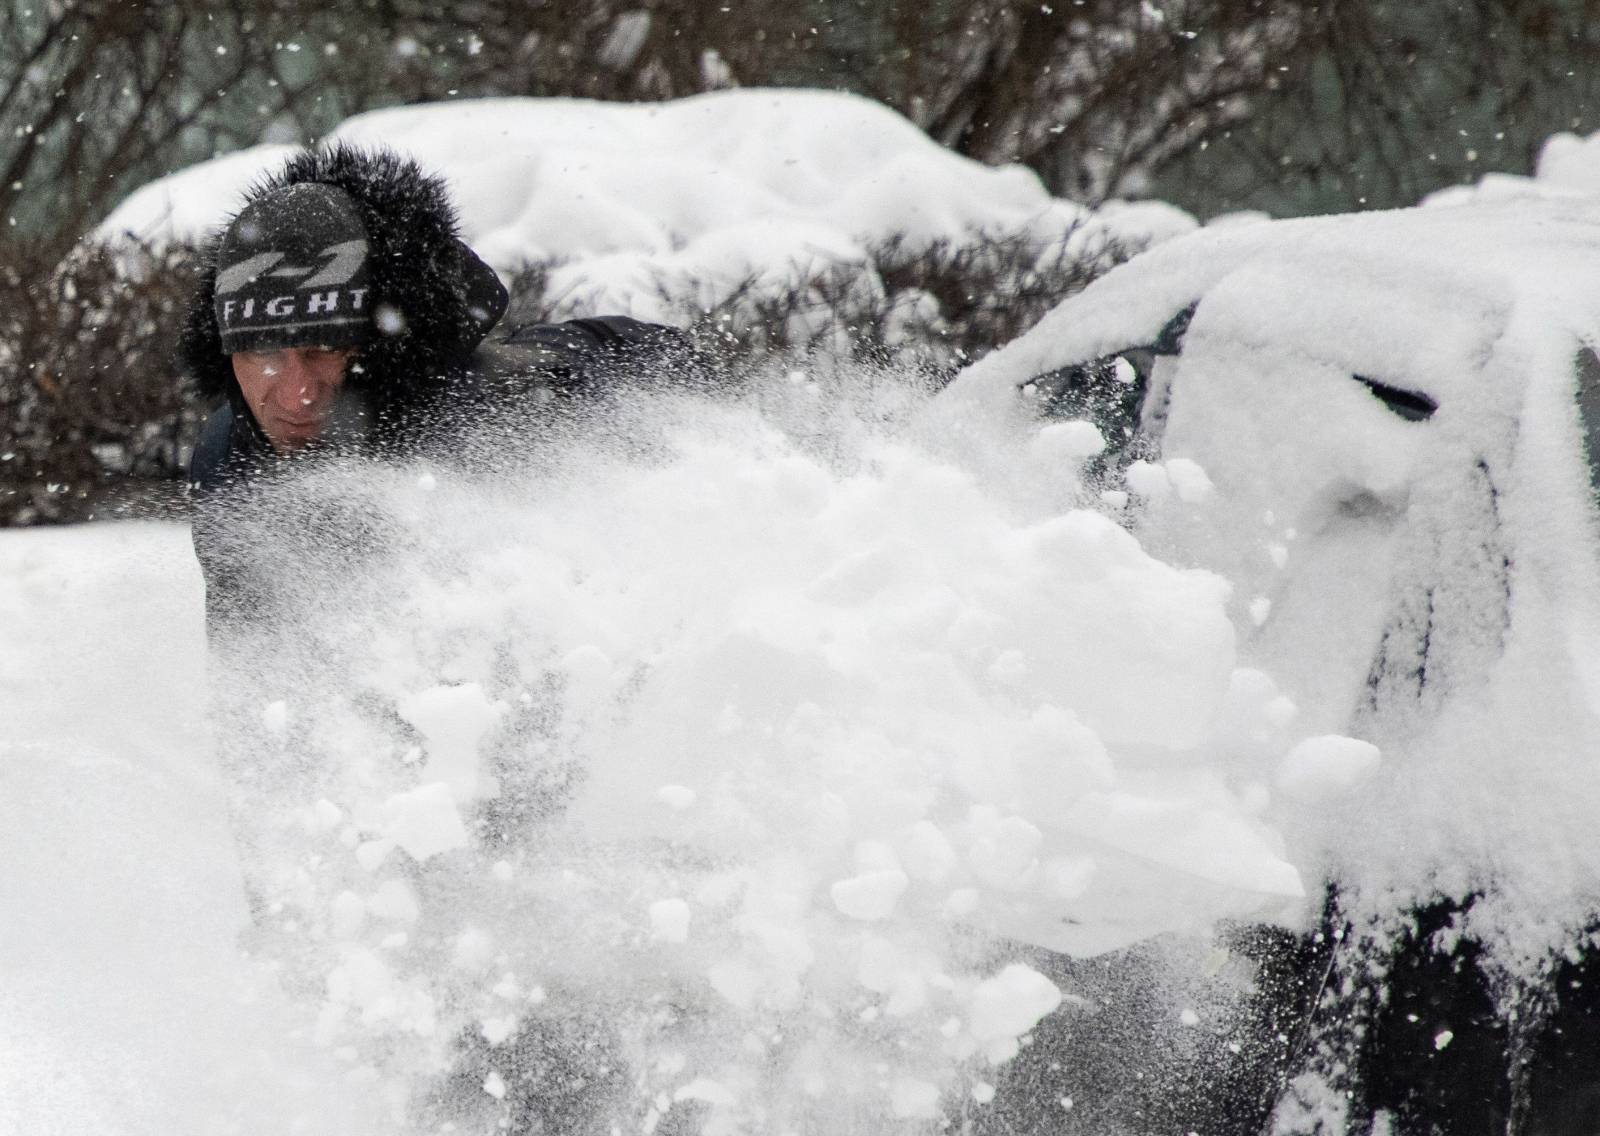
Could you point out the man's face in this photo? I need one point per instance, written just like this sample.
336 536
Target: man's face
291 391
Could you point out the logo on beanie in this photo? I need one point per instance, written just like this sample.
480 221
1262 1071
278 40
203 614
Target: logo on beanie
323 294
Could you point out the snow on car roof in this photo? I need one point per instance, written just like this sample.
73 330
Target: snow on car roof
1539 259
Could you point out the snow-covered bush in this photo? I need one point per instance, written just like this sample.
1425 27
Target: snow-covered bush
93 405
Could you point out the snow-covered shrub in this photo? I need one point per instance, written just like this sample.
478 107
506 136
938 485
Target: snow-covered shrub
93 405
934 306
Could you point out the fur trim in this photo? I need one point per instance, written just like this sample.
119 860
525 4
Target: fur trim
427 286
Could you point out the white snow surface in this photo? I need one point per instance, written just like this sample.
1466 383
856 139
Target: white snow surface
126 1005
689 198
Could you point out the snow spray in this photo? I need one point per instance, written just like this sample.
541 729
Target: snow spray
731 765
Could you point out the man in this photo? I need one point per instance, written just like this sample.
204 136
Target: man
341 312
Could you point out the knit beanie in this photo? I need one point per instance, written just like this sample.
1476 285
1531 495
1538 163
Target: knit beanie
292 272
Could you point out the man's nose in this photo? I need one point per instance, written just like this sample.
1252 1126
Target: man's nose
295 386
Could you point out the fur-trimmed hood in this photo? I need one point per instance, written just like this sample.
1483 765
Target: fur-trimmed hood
439 300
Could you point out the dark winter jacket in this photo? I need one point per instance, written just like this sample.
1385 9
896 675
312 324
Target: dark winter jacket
437 371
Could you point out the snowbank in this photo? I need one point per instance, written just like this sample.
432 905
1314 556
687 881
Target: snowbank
691 196
126 1005
1568 166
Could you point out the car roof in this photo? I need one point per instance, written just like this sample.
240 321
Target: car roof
1533 261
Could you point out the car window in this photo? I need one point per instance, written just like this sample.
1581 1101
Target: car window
1413 406
1122 393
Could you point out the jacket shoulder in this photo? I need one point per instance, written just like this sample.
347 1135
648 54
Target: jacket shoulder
208 466
597 334
597 353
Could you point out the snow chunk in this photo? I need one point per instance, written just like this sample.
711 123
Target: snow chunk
497 1030
870 896
1189 481
371 854
425 821
1148 479
365 983
1067 443
1327 766
735 980
1011 1003
962 902
886 969
452 721
325 816
669 920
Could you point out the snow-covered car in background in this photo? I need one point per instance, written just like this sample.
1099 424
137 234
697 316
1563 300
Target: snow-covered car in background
1397 416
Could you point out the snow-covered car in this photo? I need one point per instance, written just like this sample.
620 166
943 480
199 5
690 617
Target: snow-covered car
1382 429
1395 409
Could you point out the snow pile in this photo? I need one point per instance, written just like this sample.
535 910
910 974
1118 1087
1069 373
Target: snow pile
728 748
639 203
1567 161
1568 167
1389 410
126 1006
